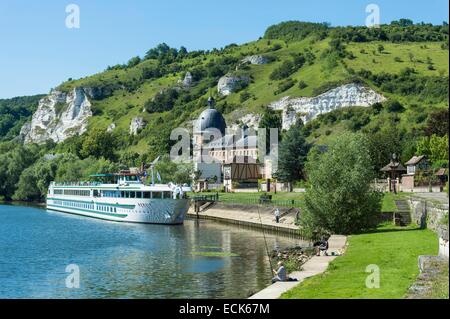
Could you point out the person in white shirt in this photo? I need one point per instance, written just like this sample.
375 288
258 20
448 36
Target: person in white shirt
277 215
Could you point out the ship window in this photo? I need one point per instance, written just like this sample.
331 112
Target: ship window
127 194
132 194
157 195
146 194
138 194
167 194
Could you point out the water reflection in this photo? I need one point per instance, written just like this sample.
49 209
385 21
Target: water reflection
129 260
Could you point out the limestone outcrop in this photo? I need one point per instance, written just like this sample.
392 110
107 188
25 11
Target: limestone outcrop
255 59
188 80
308 108
59 115
231 83
137 124
111 127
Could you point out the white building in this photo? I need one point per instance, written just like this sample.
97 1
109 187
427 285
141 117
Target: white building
214 147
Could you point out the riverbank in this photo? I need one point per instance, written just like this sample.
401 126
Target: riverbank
390 249
254 216
314 266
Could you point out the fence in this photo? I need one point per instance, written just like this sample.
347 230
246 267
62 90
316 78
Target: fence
256 200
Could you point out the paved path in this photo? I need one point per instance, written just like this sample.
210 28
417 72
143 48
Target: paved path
250 216
436 197
316 265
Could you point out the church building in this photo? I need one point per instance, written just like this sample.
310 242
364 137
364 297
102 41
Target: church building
223 156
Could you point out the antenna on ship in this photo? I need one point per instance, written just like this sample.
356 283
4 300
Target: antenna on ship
152 168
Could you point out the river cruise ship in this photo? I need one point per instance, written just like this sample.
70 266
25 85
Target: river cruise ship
123 198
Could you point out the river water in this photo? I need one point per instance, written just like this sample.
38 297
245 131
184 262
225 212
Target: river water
41 253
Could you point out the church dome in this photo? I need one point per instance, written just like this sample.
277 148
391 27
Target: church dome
210 119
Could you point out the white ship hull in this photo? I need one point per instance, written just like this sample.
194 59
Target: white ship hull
136 203
161 211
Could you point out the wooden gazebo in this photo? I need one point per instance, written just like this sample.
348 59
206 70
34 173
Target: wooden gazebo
394 169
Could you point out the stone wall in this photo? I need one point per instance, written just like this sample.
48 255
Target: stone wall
429 215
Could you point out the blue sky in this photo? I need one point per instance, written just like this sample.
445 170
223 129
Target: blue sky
38 52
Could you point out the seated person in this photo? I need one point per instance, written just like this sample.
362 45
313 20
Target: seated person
281 274
321 246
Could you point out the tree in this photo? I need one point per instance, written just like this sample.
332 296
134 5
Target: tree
170 171
133 62
341 199
437 123
292 155
27 189
394 106
434 147
12 164
98 143
383 144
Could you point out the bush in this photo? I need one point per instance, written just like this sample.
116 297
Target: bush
341 199
302 85
394 106
163 101
283 71
285 85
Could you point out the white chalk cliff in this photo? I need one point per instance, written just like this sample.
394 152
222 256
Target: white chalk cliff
136 125
308 108
231 83
255 59
59 115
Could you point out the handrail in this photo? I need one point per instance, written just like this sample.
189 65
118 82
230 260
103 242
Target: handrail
62 184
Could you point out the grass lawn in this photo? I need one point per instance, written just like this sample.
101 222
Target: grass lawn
393 249
280 198
388 204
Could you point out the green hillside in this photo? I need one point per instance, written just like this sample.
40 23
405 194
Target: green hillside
419 58
14 113
406 62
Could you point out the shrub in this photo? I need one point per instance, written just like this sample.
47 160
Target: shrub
283 71
302 85
394 106
341 199
163 101
285 85
244 96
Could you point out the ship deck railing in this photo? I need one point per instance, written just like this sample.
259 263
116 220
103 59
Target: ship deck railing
76 184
